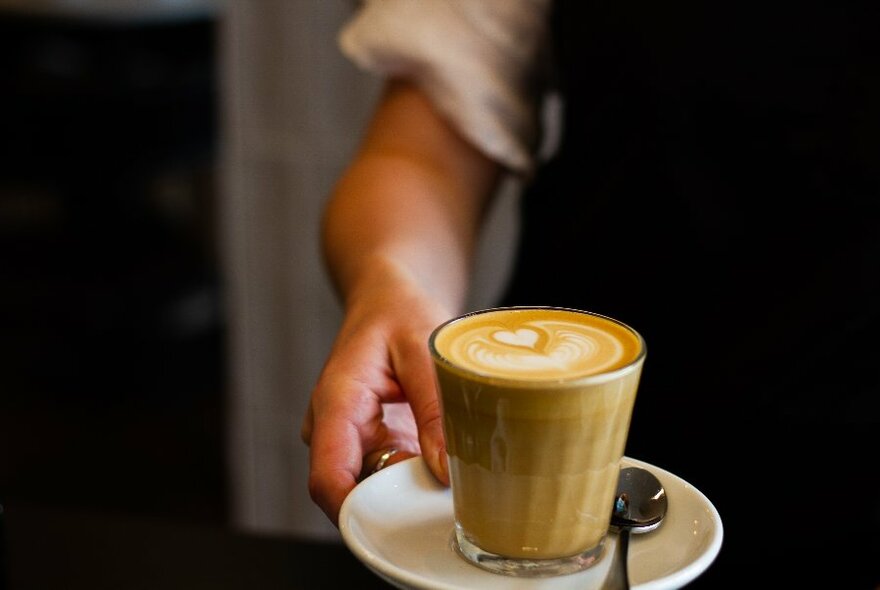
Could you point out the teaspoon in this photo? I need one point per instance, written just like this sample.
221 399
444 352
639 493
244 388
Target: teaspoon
639 507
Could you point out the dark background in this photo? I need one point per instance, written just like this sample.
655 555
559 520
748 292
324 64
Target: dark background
111 357
111 323
113 469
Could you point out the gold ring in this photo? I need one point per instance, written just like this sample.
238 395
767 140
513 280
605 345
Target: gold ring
384 459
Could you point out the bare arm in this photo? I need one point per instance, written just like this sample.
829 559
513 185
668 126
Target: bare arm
399 238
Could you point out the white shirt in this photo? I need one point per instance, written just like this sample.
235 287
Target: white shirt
478 61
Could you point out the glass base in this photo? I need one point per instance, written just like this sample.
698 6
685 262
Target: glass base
524 568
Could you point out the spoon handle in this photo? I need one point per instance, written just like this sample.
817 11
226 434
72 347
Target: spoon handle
618 574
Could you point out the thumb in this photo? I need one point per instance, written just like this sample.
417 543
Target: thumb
415 371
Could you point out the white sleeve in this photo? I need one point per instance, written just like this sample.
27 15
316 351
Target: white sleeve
478 62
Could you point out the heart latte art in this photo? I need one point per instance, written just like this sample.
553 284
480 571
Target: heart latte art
537 344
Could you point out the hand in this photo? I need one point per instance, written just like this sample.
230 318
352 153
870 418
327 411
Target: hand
376 392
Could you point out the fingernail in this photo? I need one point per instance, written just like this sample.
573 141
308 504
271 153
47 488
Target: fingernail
442 463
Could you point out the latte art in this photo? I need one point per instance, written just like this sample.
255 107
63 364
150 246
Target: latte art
538 344
521 337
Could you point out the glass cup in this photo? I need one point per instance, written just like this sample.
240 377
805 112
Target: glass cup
536 405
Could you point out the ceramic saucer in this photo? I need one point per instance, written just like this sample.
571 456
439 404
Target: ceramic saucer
398 522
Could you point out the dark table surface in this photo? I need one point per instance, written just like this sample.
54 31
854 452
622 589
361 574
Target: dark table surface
47 548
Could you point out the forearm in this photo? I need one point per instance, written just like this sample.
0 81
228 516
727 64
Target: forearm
398 236
408 209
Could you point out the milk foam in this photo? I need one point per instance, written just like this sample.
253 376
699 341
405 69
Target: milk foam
537 344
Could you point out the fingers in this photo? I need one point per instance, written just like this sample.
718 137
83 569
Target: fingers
376 392
343 453
348 419
334 463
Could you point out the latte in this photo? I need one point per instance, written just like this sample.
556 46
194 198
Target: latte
536 410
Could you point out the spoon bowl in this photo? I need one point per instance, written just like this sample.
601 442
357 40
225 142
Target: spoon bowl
639 507
641 502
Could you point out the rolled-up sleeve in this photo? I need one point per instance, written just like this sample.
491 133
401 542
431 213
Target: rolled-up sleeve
479 62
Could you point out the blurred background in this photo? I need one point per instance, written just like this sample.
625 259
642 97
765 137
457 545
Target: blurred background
163 309
111 369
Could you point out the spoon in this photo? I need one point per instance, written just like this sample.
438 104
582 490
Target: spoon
639 507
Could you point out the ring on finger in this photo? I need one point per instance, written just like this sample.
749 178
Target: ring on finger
383 459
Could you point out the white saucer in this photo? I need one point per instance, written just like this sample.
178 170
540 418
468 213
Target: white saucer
398 522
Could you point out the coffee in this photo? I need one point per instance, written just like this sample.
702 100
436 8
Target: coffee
536 408
537 344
